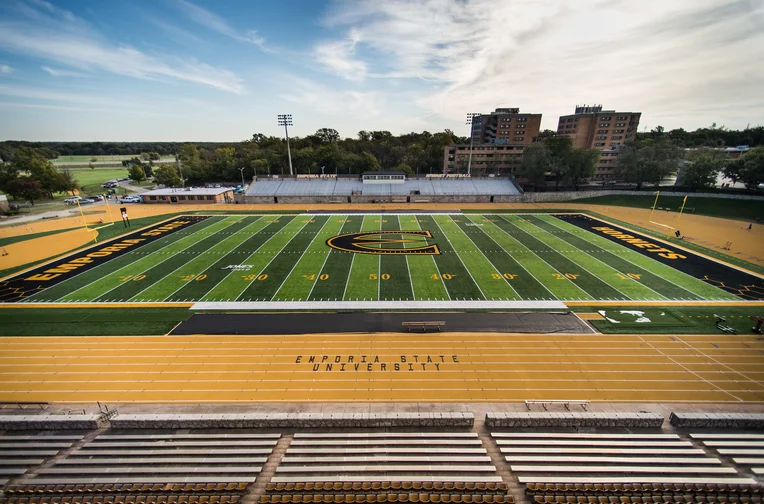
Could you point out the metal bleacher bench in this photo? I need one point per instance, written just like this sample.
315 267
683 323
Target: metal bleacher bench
565 403
424 324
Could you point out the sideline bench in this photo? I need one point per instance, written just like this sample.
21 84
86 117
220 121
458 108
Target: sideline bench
565 403
424 324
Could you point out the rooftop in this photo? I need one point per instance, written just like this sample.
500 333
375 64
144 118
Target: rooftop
196 191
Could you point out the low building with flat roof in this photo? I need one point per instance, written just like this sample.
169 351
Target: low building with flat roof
192 195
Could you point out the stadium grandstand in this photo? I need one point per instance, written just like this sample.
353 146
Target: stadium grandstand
381 187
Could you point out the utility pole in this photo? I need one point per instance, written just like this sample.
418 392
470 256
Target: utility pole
470 117
242 175
180 169
285 120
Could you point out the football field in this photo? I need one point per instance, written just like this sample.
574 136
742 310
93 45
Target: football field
389 257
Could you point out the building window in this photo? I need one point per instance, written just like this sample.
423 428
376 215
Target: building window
618 131
601 138
520 126
506 119
617 137
604 125
210 198
163 198
620 125
518 139
152 198
622 118
522 119
606 118
599 144
519 132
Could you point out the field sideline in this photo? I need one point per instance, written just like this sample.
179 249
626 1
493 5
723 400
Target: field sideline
501 257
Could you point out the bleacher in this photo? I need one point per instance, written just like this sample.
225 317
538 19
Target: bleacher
162 458
745 449
350 186
18 453
401 457
605 468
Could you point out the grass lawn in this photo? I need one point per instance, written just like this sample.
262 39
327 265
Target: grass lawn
100 159
89 322
91 180
482 257
746 210
672 320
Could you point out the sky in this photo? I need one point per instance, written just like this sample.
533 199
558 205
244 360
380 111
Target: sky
197 70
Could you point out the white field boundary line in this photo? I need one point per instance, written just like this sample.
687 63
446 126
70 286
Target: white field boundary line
379 305
275 217
434 262
272 258
81 250
670 244
321 270
627 298
660 296
460 258
123 267
245 228
585 235
486 258
303 255
499 230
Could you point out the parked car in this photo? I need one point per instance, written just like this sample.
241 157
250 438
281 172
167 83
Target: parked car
131 199
87 201
72 199
98 197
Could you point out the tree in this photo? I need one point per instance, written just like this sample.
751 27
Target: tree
154 156
136 173
535 164
403 167
8 172
582 164
24 188
701 169
368 162
648 162
559 148
40 169
167 175
328 135
751 167
260 166
68 182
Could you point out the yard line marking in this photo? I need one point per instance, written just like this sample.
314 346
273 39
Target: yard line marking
272 258
661 296
529 250
379 267
460 258
584 236
200 255
488 260
320 271
626 298
440 275
347 280
249 256
298 262
120 269
408 269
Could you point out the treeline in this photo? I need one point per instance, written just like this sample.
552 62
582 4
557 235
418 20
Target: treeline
712 136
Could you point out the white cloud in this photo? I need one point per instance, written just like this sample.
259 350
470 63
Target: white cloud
331 101
217 24
74 45
339 57
5 69
57 72
547 55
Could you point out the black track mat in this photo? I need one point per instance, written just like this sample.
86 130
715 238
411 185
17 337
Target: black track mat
313 323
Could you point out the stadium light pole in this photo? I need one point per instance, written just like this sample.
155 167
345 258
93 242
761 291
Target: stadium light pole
285 120
242 174
471 116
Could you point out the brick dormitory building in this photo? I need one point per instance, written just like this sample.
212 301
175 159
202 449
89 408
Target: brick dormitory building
499 139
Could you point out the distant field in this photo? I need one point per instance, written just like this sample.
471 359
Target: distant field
739 209
478 257
81 159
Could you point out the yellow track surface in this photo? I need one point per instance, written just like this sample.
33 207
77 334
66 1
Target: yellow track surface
470 368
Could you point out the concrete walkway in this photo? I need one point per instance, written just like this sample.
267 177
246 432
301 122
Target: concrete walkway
382 305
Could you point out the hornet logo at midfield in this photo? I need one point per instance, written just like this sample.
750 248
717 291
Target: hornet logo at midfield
384 242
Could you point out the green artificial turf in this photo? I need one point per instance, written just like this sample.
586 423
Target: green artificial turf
89 322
